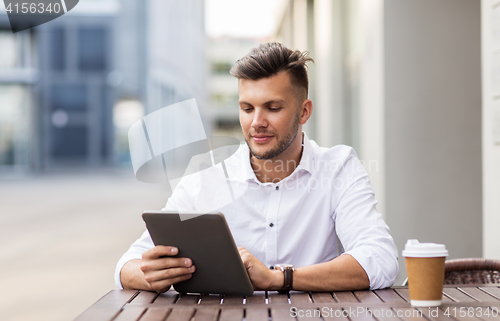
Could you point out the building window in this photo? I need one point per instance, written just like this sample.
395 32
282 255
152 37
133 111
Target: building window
92 49
69 97
221 68
58 49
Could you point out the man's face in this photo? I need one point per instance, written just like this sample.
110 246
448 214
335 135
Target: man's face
269 114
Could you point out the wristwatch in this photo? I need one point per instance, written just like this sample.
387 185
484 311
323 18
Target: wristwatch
287 270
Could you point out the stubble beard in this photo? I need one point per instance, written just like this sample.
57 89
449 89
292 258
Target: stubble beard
282 145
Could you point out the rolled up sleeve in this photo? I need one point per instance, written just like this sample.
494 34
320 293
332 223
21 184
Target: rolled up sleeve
361 229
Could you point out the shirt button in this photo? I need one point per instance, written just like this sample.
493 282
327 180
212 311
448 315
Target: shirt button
271 224
271 267
277 187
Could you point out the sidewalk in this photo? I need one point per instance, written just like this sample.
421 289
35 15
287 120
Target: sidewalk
61 236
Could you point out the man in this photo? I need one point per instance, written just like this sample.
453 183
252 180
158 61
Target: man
307 206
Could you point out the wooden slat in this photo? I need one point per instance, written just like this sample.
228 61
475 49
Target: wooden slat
355 316
312 313
166 298
457 295
188 299
155 314
389 296
231 314
206 314
279 314
232 300
435 314
258 298
130 313
322 297
107 306
144 298
180 314
493 315
333 314
300 298
382 314
277 298
495 291
404 293
367 297
210 299
256 314
345 297
478 294
410 314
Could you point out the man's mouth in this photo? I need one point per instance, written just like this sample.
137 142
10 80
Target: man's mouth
259 138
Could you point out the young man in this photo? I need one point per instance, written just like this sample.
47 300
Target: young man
308 210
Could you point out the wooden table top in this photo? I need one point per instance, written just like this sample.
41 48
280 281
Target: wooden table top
460 302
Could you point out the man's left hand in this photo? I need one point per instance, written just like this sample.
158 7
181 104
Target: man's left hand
261 276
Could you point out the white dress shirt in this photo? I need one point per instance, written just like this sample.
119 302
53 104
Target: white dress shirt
325 208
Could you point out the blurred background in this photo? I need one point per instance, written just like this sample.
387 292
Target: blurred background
412 85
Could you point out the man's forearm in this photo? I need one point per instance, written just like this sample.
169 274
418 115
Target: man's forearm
132 277
340 274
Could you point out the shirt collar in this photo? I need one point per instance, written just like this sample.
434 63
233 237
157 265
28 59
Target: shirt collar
306 161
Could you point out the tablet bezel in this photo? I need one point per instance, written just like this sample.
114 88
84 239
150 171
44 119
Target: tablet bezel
207 241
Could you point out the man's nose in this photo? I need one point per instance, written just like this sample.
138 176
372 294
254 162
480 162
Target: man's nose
259 119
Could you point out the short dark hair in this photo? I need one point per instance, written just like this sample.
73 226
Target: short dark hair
271 58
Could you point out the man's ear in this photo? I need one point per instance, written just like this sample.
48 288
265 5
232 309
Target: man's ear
305 111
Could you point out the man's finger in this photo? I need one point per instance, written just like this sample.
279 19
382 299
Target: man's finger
165 263
158 251
164 285
167 274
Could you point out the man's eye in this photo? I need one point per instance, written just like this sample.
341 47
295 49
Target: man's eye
246 110
275 109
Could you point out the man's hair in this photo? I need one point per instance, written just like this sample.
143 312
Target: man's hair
271 58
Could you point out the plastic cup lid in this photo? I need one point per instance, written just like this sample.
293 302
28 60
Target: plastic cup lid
414 248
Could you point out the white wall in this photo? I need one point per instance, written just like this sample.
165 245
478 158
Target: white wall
433 123
491 127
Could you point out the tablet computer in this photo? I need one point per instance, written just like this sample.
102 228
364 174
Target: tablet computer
207 241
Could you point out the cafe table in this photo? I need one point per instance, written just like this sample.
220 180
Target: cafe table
459 302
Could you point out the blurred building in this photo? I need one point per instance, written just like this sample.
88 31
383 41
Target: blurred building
400 81
71 88
222 87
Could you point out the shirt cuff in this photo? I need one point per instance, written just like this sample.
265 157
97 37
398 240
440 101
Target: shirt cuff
380 273
124 259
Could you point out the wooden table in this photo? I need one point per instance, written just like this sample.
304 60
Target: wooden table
471 302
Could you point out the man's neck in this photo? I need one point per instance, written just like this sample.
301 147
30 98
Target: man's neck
280 167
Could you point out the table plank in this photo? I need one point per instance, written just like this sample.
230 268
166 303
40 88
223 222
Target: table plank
130 313
477 294
206 314
345 297
333 314
300 298
409 314
277 298
232 300
155 314
181 314
231 314
256 314
322 297
279 314
495 291
166 298
108 306
210 299
389 296
367 297
434 314
258 298
188 299
307 314
404 293
144 298
457 296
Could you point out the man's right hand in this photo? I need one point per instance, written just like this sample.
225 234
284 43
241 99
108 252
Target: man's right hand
157 270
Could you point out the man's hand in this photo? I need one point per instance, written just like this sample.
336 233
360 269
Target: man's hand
157 270
262 277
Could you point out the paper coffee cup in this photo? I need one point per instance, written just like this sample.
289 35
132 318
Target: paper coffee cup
425 269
